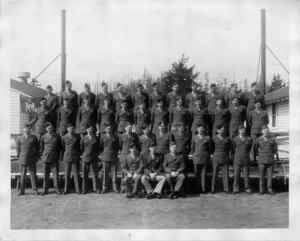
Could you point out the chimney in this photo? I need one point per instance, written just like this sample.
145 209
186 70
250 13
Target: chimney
24 76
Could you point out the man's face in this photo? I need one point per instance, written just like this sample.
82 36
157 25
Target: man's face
242 132
90 130
146 130
173 149
155 88
152 149
68 87
71 130
213 89
49 90
257 105
106 102
87 88
200 130
200 88
49 129
198 103
235 102
234 88
175 88
108 130
162 127
180 129
142 106
133 150
123 105
43 103
160 104
194 87
26 130
265 132
221 131
128 128
139 89
218 102
104 88
66 103
120 88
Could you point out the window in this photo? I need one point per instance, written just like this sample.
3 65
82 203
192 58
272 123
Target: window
274 115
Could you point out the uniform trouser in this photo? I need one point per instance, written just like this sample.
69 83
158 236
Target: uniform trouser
39 136
233 134
111 167
200 176
54 166
216 169
122 159
179 181
86 167
133 185
237 175
32 171
262 169
74 166
161 179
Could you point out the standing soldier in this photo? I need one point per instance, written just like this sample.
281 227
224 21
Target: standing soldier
220 116
142 116
192 97
146 139
201 151
238 116
28 152
266 147
183 141
66 116
53 104
155 96
102 96
133 170
87 116
123 116
86 93
233 93
106 116
109 147
42 116
71 94
71 156
221 148
90 149
212 97
179 114
241 146
172 97
51 148
174 168
159 114
163 139
199 114
120 96
139 97
153 172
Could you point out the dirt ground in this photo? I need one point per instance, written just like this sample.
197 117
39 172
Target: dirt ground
115 211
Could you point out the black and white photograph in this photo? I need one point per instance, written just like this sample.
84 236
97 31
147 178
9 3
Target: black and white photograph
149 120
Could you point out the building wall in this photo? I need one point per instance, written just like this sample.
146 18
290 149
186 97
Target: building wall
282 117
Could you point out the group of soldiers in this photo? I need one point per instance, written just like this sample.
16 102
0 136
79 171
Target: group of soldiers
209 127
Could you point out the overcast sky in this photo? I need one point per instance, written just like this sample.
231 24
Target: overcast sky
121 39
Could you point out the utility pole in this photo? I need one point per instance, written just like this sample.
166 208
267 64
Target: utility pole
263 51
63 49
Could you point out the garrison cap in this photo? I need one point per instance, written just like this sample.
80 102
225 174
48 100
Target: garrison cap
152 144
87 85
119 85
42 99
47 124
132 145
155 84
139 86
70 125
27 125
179 124
172 143
257 101
213 85
49 87
200 124
174 84
219 126
103 84
68 82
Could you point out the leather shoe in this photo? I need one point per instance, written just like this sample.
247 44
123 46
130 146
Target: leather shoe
58 192
171 196
84 192
116 192
103 191
249 192
158 196
137 195
204 192
271 192
65 193
98 191
235 192
227 192
150 195
43 193
21 193
212 192
175 195
36 193
261 192
78 193
129 195
122 191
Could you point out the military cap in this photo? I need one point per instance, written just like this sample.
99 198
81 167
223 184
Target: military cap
119 85
179 124
107 98
178 98
172 143
86 97
124 101
68 82
139 86
70 125
103 84
233 84
145 126
152 144
127 124
219 126
257 101
198 98
27 125
213 85
159 99
87 85
49 87
155 84
132 145
89 126
42 99
200 124
47 124
174 84
264 127
254 84
67 99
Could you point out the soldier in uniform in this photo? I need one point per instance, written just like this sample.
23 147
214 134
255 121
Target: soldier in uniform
266 147
159 114
109 147
153 172
71 156
120 96
155 96
163 139
179 114
102 96
220 116
50 144
87 93
201 151
172 97
41 117
27 148
212 97
53 104
142 116
71 94
238 116
191 98
182 140
123 116
241 147
174 168
133 170
106 115
86 116
232 94
139 97
66 115
221 149
199 114
90 150
146 139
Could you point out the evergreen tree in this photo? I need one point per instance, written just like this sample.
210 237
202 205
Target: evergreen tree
276 84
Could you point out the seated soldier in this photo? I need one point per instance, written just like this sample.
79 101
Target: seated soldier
133 169
174 167
153 172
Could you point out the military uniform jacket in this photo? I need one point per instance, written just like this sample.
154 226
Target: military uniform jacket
154 97
257 120
221 149
65 116
90 148
109 147
211 100
52 102
241 150
41 117
72 95
99 102
86 117
250 97
122 117
125 140
183 143
145 141
179 115
230 96
27 149
141 118
221 116
171 99
118 99
174 163
133 164
105 116
200 116
51 147
238 116
158 115
163 141
266 149
152 165
201 149
82 95
71 148
138 98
